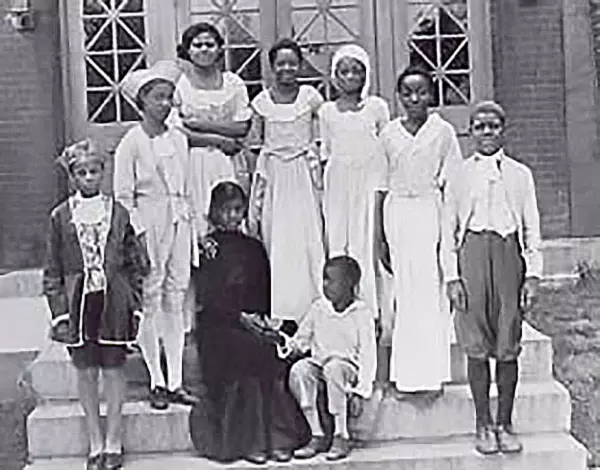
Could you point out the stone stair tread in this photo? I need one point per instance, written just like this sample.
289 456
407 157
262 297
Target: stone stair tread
384 419
61 408
551 451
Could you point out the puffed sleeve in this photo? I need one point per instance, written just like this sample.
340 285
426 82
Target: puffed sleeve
243 111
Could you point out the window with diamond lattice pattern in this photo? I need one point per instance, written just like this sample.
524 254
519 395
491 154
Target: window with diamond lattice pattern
439 42
114 45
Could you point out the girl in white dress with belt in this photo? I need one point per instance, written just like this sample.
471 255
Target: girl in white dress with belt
419 152
285 207
349 128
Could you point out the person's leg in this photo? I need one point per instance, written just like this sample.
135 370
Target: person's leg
339 376
176 283
114 387
508 277
304 384
475 331
87 384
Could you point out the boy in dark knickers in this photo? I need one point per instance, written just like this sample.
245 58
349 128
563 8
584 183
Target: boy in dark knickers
492 264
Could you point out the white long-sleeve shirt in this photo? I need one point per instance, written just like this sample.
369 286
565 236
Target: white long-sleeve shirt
348 335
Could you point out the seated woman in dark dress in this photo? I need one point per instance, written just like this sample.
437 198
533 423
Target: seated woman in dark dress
246 410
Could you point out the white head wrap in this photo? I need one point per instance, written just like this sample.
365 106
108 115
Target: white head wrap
355 52
168 70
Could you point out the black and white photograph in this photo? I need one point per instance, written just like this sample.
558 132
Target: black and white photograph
304 234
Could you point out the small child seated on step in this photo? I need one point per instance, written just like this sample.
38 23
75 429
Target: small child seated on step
339 332
491 263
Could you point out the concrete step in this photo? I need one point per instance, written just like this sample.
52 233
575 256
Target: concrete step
557 451
539 407
24 323
54 377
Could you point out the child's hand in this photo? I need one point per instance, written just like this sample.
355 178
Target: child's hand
355 405
457 295
529 293
208 247
60 332
230 147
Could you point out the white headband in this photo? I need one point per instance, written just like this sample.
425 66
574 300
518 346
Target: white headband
355 52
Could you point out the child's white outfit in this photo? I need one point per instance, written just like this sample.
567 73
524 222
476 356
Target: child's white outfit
151 181
349 145
285 201
343 355
417 168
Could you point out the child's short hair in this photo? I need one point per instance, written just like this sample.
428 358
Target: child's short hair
488 106
348 265
285 43
414 70
223 192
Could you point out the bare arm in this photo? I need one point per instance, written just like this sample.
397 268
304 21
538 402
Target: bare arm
231 129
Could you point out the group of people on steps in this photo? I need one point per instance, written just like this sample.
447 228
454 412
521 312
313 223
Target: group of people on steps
286 273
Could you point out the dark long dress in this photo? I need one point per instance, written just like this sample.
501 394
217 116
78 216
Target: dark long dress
246 406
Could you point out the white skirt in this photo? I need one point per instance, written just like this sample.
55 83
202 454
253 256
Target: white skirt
422 329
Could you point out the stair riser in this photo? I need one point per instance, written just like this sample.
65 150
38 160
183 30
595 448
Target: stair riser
455 416
383 420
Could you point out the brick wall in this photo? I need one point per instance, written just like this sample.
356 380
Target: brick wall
30 130
529 81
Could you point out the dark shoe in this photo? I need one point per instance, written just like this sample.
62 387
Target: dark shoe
94 462
280 455
112 461
183 397
257 458
485 441
159 398
314 447
508 442
340 448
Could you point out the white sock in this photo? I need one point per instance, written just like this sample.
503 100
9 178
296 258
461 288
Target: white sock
174 338
341 425
150 346
312 416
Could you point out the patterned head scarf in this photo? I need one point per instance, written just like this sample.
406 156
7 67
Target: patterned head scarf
82 150
168 70
488 107
354 51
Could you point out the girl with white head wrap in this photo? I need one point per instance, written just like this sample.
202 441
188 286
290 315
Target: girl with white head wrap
356 52
349 129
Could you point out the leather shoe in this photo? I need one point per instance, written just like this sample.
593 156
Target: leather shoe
281 455
340 448
112 461
508 442
183 397
257 458
485 441
94 462
159 399
314 447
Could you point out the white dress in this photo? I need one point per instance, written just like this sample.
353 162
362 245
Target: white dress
417 170
290 219
348 144
210 165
